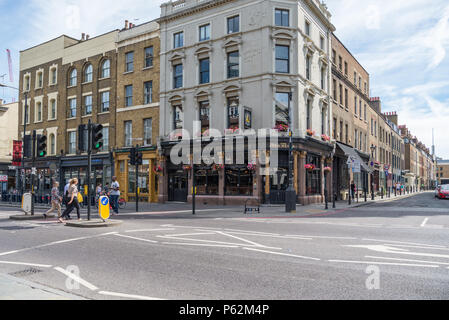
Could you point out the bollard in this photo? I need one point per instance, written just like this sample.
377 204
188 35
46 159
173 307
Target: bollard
334 201
366 199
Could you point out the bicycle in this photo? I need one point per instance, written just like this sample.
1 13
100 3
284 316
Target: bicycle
121 203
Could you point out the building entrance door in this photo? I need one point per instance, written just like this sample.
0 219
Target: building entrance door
177 186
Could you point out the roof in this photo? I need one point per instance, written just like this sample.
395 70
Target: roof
443 162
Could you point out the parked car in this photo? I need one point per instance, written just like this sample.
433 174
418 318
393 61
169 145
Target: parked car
443 192
437 191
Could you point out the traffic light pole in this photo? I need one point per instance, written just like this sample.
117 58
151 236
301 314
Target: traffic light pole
22 173
89 167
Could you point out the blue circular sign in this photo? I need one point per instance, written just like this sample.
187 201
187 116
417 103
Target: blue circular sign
105 201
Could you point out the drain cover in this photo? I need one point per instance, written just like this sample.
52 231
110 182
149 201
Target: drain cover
26 272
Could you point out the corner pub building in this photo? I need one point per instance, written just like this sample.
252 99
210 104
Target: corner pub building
237 65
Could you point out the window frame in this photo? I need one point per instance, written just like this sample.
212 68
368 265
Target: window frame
232 20
129 63
281 11
207 32
178 76
129 98
149 56
282 59
204 74
178 39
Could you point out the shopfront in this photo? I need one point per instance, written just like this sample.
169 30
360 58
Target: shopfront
7 178
146 182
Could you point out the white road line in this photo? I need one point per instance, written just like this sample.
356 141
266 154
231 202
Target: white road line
411 243
425 222
385 263
407 260
420 247
77 279
271 236
190 234
211 241
56 243
241 239
148 230
320 237
254 232
26 264
128 296
282 254
199 245
135 238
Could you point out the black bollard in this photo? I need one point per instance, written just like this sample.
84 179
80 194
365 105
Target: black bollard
334 205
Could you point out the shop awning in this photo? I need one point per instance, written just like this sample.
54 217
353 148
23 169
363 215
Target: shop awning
351 152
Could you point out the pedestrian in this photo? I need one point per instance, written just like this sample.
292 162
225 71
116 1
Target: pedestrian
115 194
55 200
73 201
353 189
98 192
106 189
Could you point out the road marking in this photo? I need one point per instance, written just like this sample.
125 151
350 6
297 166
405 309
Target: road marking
199 245
425 222
190 234
129 296
211 241
271 236
420 247
77 279
56 243
411 243
408 260
282 254
387 249
241 239
135 238
385 263
26 264
148 230
320 237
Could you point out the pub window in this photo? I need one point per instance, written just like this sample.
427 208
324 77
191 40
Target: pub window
233 114
313 177
205 117
238 181
207 181
281 110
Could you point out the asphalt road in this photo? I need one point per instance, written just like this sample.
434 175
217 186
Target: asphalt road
393 250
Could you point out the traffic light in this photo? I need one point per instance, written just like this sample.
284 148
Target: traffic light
133 156
139 159
27 147
41 146
97 136
82 138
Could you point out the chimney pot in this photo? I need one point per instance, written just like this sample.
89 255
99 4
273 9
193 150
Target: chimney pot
83 36
126 24
87 37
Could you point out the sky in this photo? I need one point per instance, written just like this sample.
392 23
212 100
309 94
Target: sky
403 44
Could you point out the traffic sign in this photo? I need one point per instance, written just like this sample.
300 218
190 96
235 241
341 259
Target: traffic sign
103 208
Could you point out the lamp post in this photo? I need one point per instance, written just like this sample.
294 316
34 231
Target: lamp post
290 194
373 149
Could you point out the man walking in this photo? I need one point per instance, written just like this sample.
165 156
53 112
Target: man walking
55 200
115 194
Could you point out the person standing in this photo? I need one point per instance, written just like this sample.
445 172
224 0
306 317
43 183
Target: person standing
115 194
55 200
353 189
73 201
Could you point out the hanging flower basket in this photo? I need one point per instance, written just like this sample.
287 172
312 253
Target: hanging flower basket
310 132
309 167
281 128
217 167
187 168
251 167
327 169
325 138
158 169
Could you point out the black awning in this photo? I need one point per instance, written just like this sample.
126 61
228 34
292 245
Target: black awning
351 152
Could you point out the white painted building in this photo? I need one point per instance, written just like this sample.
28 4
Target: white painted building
249 51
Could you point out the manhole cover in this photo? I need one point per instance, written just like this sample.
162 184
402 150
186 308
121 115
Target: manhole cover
27 272
15 228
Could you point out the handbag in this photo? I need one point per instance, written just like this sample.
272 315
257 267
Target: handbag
80 198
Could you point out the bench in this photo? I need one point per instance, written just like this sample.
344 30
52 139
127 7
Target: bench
253 208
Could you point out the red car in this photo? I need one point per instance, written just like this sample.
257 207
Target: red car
443 192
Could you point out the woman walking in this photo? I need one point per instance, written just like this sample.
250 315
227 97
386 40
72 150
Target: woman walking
73 201
55 200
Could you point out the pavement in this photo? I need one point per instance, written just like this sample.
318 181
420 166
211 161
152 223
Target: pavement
391 249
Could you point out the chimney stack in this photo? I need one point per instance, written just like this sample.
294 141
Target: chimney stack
87 37
126 24
83 36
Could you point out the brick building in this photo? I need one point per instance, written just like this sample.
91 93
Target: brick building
137 117
67 83
442 172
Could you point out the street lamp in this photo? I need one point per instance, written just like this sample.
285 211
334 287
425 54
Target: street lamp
290 194
373 149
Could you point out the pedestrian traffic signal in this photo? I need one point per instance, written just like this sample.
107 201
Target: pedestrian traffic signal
139 158
97 136
41 146
133 156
